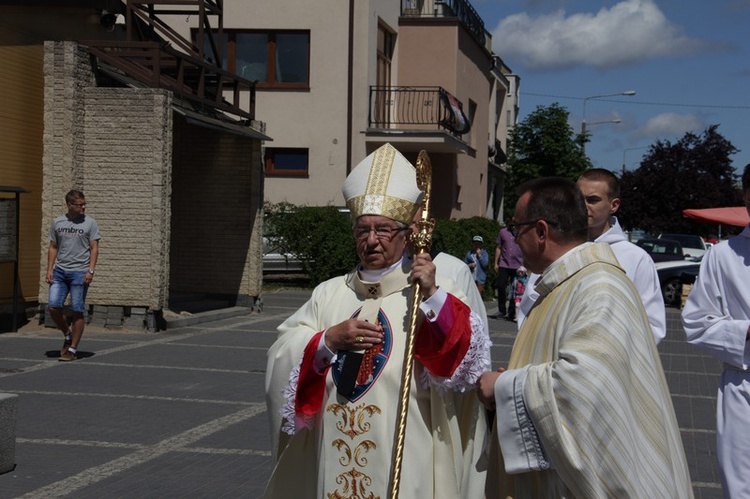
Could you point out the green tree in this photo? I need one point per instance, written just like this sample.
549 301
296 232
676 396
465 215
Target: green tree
694 172
543 145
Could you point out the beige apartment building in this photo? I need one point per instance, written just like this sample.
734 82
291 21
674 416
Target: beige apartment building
150 108
336 79
102 96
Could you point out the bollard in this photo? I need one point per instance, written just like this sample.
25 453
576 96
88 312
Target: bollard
8 412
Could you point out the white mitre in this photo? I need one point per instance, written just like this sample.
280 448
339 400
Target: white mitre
385 184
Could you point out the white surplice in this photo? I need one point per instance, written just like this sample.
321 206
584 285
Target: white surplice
716 318
638 266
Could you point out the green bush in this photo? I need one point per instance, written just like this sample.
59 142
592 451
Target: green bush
322 239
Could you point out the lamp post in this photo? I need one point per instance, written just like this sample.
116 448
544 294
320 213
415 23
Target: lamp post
628 93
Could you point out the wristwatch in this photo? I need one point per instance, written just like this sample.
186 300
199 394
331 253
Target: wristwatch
91 271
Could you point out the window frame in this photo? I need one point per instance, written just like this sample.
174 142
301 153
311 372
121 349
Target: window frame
269 162
230 64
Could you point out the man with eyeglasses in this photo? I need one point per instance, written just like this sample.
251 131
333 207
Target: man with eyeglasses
71 263
601 191
339 361
583 409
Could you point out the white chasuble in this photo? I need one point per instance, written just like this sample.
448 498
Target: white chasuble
348 449
584 409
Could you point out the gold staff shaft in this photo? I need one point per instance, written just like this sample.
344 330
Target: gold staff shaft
421 240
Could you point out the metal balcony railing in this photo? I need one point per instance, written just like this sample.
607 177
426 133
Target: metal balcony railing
460 9
416 108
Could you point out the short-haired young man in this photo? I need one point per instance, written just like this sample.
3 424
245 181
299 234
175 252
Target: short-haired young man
71 262
601 191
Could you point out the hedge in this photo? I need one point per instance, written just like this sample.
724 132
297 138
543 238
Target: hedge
321 237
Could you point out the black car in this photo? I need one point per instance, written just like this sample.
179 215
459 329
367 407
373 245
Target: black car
673 274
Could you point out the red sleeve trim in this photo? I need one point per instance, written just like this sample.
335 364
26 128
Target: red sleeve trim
311 385
441 349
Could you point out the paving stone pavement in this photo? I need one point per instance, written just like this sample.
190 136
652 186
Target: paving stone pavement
181 413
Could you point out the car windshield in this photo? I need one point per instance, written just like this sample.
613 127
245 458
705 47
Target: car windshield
658 246
687 241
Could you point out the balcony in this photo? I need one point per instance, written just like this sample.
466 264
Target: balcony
460 9
158 65
155 55
417 115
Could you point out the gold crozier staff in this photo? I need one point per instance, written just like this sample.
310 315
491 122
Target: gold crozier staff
422 240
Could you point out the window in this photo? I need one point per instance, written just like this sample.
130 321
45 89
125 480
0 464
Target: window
286 162
386 43
276 59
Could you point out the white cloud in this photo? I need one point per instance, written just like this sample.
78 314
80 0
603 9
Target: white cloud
669 126
629 32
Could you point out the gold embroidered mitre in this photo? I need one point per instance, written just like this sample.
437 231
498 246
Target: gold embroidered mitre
384 184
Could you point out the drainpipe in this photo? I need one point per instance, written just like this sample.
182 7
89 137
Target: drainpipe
350 83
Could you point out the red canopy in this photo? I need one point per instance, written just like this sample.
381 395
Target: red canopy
736 216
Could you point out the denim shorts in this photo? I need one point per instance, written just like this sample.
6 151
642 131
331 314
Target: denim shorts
68 281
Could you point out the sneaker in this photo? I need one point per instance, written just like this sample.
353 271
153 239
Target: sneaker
67 357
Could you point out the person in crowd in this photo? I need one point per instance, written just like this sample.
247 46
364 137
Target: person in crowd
601 190
716 318
478 260
519 286
507 260
583 409
339 360
71 263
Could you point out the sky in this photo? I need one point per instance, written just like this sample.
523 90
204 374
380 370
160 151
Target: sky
687 60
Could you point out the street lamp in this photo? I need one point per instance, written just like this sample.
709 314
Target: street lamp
628 93
616 120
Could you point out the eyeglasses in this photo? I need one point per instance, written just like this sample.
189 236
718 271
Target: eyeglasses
382 232
513 226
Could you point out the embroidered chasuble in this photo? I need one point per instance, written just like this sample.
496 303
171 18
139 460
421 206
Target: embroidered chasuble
343 447
584 409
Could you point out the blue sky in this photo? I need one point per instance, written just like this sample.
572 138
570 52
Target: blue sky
687 60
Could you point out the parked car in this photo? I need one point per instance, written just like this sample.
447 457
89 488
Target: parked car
275 262
693 246
662 250
672 276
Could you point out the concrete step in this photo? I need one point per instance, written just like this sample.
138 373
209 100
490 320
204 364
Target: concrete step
196 303
174 321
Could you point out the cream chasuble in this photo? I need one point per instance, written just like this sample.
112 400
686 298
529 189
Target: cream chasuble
348 451
584 409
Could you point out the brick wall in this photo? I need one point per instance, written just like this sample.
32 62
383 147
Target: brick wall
178 205
115 145
216 203
127 164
